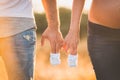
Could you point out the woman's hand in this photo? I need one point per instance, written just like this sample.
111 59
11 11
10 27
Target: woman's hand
55 38
71 42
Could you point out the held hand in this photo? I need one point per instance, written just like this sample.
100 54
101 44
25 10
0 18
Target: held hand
71 42
55 38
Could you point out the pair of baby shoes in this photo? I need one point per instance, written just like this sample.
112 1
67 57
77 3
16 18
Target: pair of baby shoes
55 59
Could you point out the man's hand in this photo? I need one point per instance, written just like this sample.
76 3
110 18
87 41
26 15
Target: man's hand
55 38
71 42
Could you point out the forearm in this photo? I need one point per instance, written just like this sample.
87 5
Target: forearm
76 15
51 10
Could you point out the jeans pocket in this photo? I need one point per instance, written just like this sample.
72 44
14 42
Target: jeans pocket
29 36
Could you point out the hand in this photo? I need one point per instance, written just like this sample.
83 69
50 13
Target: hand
71 42
55 38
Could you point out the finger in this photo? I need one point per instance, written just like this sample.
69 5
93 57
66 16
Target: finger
57 48
59 45
67 48
42 40
64 45
53 46
73 50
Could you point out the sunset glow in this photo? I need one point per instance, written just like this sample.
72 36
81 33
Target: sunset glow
38 7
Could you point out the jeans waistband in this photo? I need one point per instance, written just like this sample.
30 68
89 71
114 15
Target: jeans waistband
97 29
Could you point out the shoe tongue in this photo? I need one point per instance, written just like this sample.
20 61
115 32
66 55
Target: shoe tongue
55 55
72 56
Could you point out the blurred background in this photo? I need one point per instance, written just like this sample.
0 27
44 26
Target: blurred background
43 69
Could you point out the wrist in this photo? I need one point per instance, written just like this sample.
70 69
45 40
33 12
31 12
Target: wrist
54 26
74 27
74 30
74 33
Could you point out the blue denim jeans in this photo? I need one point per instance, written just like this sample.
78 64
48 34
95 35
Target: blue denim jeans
18 53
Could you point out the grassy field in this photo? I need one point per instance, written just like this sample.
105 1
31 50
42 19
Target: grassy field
43 69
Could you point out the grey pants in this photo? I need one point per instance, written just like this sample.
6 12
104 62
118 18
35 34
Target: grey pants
104 51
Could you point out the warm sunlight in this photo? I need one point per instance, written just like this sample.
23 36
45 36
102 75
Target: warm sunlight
61 3
10 62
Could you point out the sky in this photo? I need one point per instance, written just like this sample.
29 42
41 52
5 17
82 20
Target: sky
38 7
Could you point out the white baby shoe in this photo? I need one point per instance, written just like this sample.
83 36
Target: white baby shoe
72 60
55 58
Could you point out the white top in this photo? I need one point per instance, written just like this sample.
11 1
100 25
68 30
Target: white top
16 8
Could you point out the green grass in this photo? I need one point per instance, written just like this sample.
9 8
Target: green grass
65 16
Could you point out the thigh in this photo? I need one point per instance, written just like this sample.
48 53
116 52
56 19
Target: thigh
105 56
18 54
